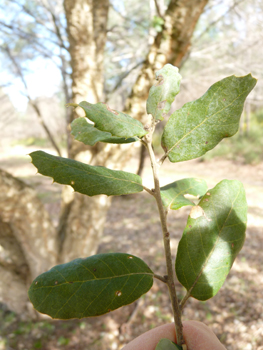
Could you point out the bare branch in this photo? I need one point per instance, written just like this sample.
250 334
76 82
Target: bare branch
30 100
213 23
158 9
123 77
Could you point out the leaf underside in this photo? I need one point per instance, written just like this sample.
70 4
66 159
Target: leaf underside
116 123
89 135
173 194
86 179
211 242
162 95
90 287
200 125
167 344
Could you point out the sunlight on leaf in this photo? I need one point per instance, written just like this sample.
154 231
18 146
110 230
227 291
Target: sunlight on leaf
162 95
200 125
212 240
173 194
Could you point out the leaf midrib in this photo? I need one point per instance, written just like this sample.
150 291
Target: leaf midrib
87 173
180 194
199 125
96 279
211 252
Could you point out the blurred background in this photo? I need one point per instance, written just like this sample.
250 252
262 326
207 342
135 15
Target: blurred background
54 52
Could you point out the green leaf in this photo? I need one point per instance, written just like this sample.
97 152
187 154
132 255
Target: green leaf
157 23
166 344
90 287
116 123
162 95
84 178
200 125
173 194
213 236
89 135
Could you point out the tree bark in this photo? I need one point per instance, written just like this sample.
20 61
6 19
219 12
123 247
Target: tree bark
82 217
27 238
170 46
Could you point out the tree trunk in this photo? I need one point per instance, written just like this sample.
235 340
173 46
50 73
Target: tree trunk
82 217
27 238
170 46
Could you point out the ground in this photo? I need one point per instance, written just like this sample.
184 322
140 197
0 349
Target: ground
235 314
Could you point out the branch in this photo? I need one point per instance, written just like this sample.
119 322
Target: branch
216 21
30 37
166 240
123 77
158 9
27 11
161 278
127 18
33 103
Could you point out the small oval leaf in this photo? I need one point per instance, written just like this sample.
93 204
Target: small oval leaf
86 179
212 238
173 194
117 123
90 287
162 95
167 344
200 125
89 135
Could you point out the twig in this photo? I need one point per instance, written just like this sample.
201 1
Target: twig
148 190
184 300
161 278
33 103
158 9
166 240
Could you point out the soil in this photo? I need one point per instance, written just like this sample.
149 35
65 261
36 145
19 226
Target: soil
235 314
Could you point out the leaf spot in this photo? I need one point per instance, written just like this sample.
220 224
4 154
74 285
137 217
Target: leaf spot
161 104
160 80
70 282
72 182
208 194
206 199
190 226
112 110
118 293
224 99
94 270
130 257
206 142
56 282
36 282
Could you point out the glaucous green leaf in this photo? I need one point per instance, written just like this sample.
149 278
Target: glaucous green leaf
173 193
162 95
213 236
167 344
200 125
84 178
116 123
89 135
90 287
